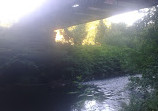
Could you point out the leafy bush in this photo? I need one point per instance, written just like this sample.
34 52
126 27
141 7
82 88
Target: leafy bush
92 62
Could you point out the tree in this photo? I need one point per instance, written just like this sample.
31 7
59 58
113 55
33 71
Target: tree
77 34
145 60
100 32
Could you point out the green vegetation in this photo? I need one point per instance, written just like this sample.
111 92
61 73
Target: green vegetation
77 34
123 50
92 62
146 63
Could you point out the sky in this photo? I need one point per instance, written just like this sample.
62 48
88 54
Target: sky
128 18
11 11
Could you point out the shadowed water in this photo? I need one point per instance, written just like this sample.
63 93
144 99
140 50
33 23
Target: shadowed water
113 93
102 95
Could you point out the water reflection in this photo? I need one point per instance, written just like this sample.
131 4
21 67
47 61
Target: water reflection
90 104
105 95
91 99
94 105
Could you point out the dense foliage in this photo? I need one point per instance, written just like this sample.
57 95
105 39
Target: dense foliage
148 65
92 62
123 50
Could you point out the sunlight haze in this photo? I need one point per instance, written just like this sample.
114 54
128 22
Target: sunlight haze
12 10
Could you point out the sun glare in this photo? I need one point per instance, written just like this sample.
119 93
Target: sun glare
12 10
128 18
59 36
91 28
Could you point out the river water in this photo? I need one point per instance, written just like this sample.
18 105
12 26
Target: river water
101 95
113 93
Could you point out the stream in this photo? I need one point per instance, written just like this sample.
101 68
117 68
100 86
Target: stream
112 94
100 95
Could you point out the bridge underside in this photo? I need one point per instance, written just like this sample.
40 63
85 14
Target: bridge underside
64 13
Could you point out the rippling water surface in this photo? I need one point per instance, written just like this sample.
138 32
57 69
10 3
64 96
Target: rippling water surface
113 92
101 95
